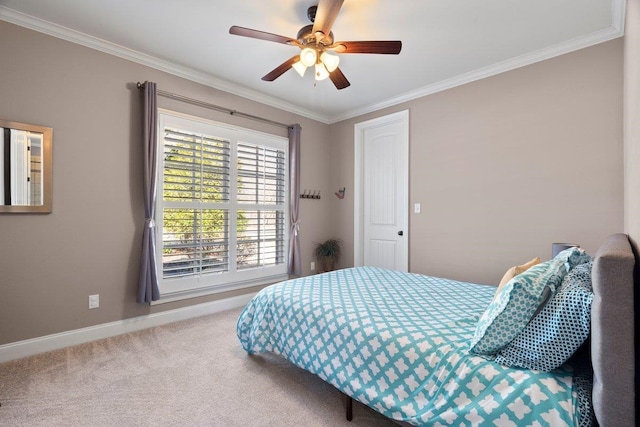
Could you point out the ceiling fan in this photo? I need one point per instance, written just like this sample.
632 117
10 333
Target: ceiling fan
316 41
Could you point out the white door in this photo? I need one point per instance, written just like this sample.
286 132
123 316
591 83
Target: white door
381 181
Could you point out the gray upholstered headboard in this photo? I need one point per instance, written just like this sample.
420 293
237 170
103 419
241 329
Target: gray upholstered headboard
612 333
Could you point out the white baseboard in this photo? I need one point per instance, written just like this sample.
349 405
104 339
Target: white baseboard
38 345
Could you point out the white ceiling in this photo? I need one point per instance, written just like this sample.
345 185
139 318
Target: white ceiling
445 42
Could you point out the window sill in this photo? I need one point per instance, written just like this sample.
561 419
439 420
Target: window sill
200 292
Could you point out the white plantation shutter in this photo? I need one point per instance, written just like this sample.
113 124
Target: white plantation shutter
192 242
223 205
261 187
196 167
196 170
261 174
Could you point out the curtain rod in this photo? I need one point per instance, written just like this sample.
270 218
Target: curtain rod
215 107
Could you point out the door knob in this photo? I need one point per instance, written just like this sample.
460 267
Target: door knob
400 233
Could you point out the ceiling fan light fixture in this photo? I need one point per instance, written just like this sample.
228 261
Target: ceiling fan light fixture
321 71
300 68
308 56
314 40
330 61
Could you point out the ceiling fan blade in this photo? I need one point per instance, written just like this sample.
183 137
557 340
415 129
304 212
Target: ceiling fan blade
255 34
338 79
281 69
326 15
384 47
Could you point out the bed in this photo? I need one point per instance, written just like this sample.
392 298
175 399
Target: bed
406 345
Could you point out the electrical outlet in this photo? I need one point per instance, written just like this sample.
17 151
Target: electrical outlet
94 301
313 266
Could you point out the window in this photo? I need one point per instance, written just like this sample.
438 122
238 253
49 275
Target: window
221 207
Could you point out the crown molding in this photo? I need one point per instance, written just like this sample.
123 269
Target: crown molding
64 33
615 30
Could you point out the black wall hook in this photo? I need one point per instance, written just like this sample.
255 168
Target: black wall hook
311 194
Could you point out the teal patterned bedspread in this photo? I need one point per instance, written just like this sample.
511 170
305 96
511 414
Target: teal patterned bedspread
398 342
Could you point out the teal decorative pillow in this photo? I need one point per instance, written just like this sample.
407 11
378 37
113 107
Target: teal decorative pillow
520 299
554 334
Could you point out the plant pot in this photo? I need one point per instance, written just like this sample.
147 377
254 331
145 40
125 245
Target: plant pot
328 264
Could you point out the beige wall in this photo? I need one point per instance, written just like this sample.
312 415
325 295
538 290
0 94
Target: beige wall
507 165
632 121
89 244
478 152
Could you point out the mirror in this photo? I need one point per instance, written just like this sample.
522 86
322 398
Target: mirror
26 178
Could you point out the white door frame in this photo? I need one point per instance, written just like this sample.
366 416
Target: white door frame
358 209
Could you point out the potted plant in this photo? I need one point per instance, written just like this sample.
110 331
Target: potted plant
327 254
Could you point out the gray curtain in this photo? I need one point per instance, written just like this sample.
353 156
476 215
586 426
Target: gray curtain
295 263
148 286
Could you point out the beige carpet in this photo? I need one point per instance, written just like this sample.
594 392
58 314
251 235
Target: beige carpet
191 373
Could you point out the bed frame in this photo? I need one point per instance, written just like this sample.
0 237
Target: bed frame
614 345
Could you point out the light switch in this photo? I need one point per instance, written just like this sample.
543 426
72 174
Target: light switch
417 208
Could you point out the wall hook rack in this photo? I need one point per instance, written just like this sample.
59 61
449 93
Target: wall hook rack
340 193
311 194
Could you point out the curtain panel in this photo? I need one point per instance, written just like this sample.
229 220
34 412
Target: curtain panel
148 285
294 267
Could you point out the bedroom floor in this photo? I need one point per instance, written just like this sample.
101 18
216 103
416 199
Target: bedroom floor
187 373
